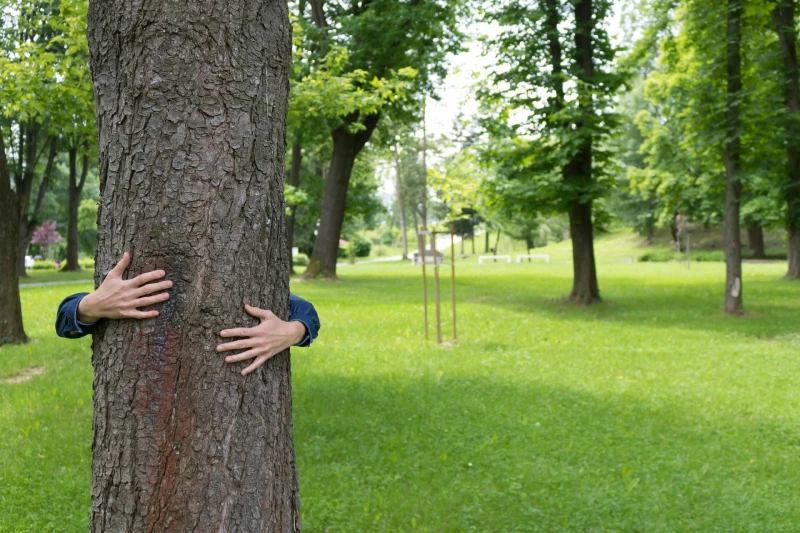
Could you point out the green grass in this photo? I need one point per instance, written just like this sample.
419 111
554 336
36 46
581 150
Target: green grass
652 412
48 276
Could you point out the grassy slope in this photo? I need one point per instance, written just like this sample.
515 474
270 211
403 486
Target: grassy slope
651 412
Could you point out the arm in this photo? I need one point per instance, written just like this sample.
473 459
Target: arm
67 323
272 335
303 311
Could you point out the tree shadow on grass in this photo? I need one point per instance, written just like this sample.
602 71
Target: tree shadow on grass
478 454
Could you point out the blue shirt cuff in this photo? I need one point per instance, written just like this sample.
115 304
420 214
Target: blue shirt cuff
306 341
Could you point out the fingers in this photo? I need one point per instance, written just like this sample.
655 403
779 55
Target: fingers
237 332
139 315
257 312
236 345
120 267
150 300
249 354
257 363
150 288
147 277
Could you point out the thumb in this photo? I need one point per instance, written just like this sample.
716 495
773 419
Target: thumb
263 314
120 267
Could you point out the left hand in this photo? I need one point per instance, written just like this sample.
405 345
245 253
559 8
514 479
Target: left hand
270 337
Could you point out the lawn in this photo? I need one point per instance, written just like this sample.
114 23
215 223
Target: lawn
652 412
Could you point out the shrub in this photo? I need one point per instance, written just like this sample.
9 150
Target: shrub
44 264
358 247
300 260
88 264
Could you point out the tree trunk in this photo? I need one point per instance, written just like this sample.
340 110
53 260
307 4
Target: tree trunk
755 237
400 204
294 181
191 109
733 184
75 191
794 254
11 329
783 16
578 172
487 241
28 220
346 147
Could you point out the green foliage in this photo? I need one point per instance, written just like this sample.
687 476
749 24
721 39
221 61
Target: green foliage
539 112
704 256
682 120
44 264
300 260
357 246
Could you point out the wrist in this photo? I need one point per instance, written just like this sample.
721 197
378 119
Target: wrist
297 331
87 313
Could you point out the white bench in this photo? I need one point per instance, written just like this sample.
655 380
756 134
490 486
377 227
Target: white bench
494 257
546 257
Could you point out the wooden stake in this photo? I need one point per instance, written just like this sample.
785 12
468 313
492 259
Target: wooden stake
453 274
436 289
421 246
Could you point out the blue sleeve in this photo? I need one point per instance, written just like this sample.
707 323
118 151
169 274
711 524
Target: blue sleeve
67 323
302 311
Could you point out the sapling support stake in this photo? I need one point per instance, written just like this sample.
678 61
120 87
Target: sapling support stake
453 274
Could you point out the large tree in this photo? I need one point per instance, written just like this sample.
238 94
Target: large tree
550 103
785 25
383 37
11 328
191 106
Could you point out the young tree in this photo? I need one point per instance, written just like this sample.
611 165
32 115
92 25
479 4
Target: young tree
732 157
191 106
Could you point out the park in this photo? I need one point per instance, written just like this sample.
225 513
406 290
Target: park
399 266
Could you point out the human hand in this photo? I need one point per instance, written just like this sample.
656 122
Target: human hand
270 337
119 298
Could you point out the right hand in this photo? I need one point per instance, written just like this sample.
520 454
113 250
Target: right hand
119 298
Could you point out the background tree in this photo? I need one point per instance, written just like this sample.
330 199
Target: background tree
77 112
786 28
548 109
30 63
181 440
383 37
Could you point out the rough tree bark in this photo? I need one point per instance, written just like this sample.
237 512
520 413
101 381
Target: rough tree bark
346 147
191 108
294 181
755 238
75 189
400 208
732 156
11 328
783 16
